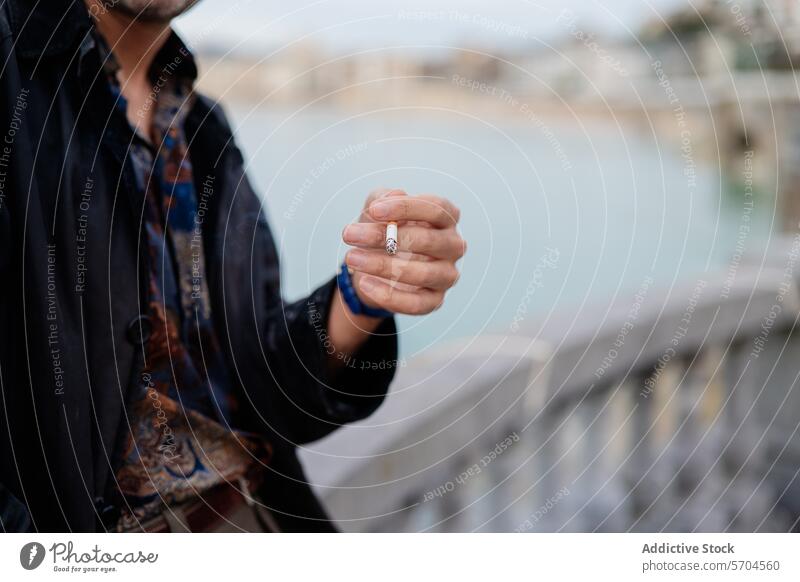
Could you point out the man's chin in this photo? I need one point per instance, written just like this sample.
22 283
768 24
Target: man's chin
151 10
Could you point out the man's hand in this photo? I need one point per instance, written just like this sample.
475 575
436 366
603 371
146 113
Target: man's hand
414 280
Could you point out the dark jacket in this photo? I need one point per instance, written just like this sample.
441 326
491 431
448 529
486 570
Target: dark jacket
73 272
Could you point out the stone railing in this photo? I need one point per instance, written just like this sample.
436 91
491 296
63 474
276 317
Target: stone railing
666 411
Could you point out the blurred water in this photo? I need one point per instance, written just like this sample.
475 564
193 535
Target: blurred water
612 205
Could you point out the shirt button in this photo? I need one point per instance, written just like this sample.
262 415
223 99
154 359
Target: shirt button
139 330
107 514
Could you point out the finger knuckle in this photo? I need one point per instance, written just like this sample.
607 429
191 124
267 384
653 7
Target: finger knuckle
382 266
386 293
428 275
455 246
375 237
409 239
427 240
453 276
434 200
419 306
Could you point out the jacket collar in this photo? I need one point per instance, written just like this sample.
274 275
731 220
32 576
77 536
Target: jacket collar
51 27
47 27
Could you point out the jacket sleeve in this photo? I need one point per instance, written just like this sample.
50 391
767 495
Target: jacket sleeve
311 398
299 352
14 515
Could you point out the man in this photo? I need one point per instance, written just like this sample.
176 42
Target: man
152 379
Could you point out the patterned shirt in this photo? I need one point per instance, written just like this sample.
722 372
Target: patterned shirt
181 441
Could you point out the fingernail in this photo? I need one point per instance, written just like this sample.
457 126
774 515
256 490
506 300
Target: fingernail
380 210
356 259
366 284
355 233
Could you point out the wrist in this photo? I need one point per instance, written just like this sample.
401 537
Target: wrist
347 332
350 297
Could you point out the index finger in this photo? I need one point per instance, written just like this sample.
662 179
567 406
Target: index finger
379 194
437 211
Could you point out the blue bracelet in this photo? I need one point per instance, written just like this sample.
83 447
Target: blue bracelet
357 307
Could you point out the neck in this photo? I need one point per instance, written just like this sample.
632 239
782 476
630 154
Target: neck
133 41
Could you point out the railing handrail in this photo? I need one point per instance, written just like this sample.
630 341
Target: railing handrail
470 369
715 320
553 361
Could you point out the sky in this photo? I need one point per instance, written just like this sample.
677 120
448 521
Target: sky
344 25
